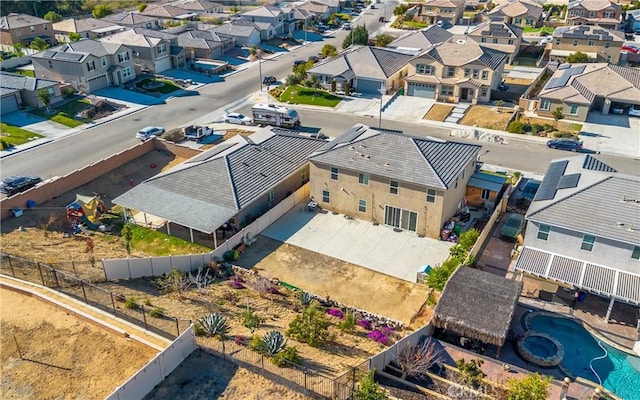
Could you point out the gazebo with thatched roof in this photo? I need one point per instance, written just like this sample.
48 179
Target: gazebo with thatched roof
478 305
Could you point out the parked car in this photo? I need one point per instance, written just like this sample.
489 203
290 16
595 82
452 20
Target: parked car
634 110
297 63
269 80
148 132
503 87
512 227
528 192
630 49
314 59
17 184
569 144
237 118
544 41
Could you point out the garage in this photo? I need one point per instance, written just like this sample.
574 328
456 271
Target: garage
163 65
368 86
97 82
422 90
9 101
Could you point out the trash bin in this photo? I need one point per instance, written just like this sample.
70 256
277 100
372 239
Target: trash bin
16 212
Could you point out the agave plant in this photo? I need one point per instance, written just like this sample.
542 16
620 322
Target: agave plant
215 325
273 343
306 299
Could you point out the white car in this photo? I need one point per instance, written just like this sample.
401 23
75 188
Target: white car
148 132
634 110
237 118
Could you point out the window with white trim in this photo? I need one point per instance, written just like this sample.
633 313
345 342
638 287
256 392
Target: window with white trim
124 56
362 206
543 232
91 65
431 195
326 196
424 69
607 45
609 14
467 72
484 91
393 187
126 72
591 43
272 195
485 75
574 109
334 173
587 242
545 105
451 71
575 43
446 90
475 74
363 179
162 48
103 61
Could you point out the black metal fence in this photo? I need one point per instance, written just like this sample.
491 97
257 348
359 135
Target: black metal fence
303 380
74 286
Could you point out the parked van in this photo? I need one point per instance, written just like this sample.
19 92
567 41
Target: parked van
274 115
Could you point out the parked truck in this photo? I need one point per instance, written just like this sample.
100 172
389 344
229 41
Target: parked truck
196 132
274 115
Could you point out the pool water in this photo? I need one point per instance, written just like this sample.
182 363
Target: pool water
619 371
540 346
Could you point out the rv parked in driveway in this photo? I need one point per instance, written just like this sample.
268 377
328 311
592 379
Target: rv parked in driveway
274 115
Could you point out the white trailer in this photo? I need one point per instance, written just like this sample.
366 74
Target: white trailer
274 115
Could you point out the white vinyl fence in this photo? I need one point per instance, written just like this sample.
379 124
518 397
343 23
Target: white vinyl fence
131 268
380 360
156 370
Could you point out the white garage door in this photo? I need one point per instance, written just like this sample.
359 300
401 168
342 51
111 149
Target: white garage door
97 82
422 90
163 65
9 104
368 86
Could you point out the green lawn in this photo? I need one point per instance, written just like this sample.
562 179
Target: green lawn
540 30
24 72
65 113
414 24
15 135
343 16
301 95
167 88
160 244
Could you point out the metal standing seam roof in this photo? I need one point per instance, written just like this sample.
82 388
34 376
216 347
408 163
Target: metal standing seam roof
423 161
600 279
204 194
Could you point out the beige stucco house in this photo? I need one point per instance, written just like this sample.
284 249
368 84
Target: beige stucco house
599 44
432 11
23 28
458 70
87 28
411 183
498 35
522 13
18 91
602 13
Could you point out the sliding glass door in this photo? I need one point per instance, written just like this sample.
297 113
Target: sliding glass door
399 218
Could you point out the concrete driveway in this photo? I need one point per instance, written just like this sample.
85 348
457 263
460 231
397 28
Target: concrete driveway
618 134
379 248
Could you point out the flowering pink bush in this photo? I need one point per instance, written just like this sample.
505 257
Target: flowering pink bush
335 312
386 330
378 337
236 284
364 323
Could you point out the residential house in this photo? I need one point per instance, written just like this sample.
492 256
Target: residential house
334 5
298 18
599 44
320 11
432 11
410 183
267 14
498 35
582 230
266 30
18 91
87 65
485 189
23 28
204 44
241 34
522 13
602 13
236 181
632 24
420 40
458 70
152 49
582 88
133 20
86 28
168 12
368 70
204 8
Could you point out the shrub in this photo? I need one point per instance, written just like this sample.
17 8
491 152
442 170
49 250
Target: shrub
348 323
289 354
536 128
215 325
236 282
198 330
365 323
386 330
378 337
368 389
251 319
173 135
563 135
470 372
157 312
530 387
306 299
147 302
312 327
256 344
516 127
273 342
335 312
431 299
131 303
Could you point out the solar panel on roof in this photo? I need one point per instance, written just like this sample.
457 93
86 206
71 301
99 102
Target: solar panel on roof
69 56
568 181
564 66
548 187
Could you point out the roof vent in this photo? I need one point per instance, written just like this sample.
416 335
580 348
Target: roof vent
461 41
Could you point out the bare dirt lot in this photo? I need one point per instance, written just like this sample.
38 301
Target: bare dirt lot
66 357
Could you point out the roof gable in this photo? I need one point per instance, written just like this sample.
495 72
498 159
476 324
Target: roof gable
363 62
16 21
422 39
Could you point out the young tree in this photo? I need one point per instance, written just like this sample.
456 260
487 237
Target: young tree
368 389
101 10
174 282
312 327
74 36
359 35
127 235
400 10
416 360
142 7
328 50
531 387
557 116
39 44
18 48
499 104
383 39
45 98
470 373
53 16
577 57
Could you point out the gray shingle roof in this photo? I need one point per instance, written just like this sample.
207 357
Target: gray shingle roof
423 161
129 18
78 51
15 21
458 52
199 39
234 29
603 203
364 62
422 39
206 191
21 82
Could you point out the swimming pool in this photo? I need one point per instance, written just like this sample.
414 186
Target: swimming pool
618 371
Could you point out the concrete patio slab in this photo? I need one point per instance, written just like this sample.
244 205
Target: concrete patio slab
379 248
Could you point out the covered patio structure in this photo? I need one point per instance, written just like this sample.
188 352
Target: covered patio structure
477 306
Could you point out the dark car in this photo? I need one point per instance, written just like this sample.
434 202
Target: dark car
568 144
512 227
16 184
530 189
503 87
297 63
269 80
